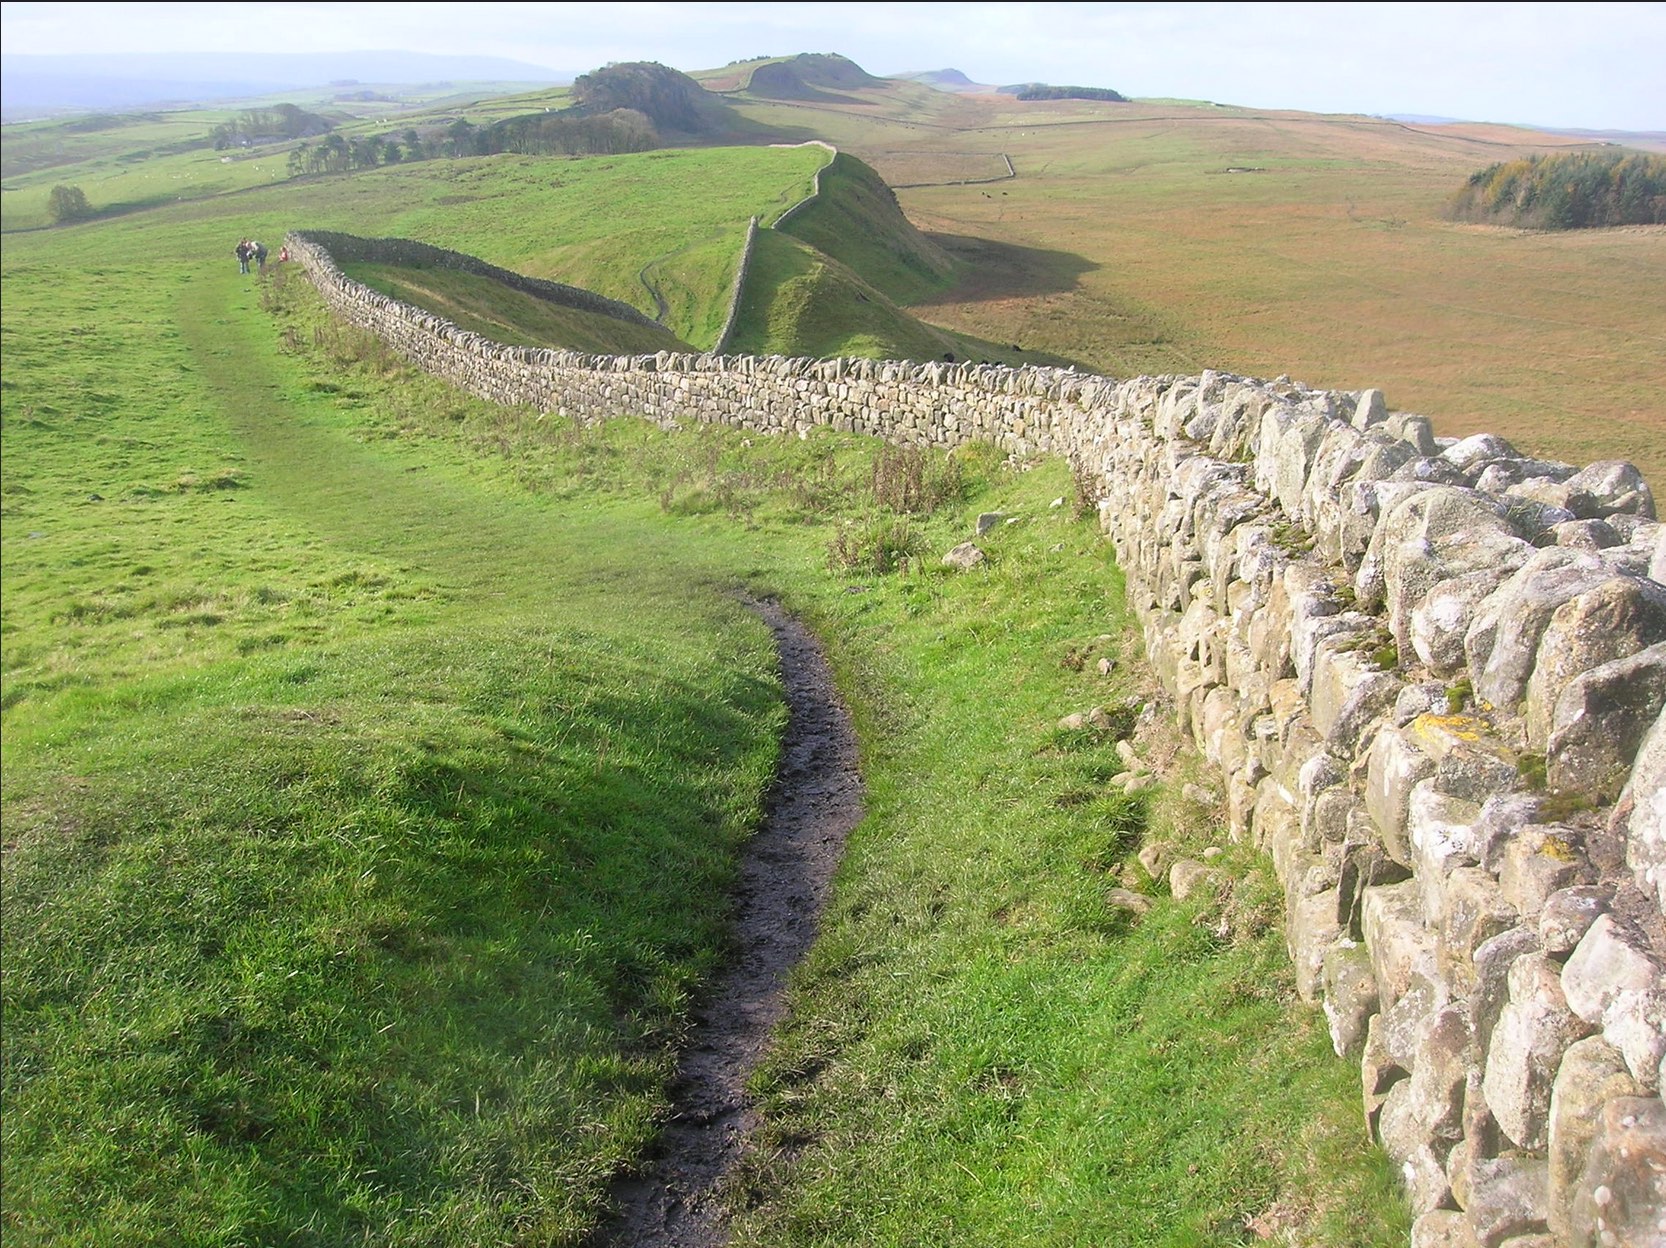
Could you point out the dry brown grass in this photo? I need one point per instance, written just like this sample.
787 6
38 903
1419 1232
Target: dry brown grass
1125 243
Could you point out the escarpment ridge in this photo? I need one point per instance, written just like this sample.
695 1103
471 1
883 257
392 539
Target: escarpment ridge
1431 671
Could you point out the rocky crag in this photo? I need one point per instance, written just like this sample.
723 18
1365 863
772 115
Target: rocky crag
1431 673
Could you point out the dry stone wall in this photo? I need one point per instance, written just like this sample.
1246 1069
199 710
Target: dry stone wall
1431 673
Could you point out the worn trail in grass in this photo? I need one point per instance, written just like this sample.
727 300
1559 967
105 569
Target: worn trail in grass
383 927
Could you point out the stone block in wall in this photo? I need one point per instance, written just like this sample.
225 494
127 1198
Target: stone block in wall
1350 994
1615 619
1440 622
1491 992
1508 1197
1422 1176
1614 980
1537 862
1310 929
1350 694
1289 442
1473 911
1621 1196
1438 534
1442 1228
1534 1030
1600 720
1502 645
1391 917
1379 1073
1364 864
1592 1073
1569 913
1641 813
1440 829
1616 486
1397 762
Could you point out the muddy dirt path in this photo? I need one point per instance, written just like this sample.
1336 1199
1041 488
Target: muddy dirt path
786 873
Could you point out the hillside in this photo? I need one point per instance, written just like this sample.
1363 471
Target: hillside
512 317
1169 237
856 219
809 76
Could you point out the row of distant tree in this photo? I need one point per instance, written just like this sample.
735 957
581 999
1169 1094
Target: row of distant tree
279 123
1571 191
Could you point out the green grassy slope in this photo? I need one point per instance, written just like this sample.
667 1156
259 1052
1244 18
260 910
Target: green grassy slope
367 823
798 301
855 220
510 316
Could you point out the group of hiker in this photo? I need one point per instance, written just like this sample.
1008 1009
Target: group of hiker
250 252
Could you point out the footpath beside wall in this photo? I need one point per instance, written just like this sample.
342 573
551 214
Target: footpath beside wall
1432 673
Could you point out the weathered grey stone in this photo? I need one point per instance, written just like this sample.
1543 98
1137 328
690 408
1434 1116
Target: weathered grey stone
1441 831
989 520
1642 813
1187 877
1613 620
1350 995
1493 960
1400 944
1601 718
1620 1201
1507 1197
1592 1073
1473 912
1442 1228
1440 622
1349 693
1587 534
964 557
1568 914
1504 818
1538 862
1533 1032
1616 486
1520 611
1370 409
1634 1022
1397 762
1612 957
1468 454
1127 899
1310 928
1436 535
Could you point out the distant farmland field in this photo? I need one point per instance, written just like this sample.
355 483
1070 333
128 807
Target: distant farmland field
1125 242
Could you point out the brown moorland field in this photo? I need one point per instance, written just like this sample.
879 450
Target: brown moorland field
1157 238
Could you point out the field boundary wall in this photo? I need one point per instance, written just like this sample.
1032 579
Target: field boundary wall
1429 673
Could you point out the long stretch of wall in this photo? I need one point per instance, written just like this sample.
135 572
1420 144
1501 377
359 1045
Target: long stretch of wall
1431 673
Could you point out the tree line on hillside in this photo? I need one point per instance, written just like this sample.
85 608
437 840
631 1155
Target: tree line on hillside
1571 191
1041 91
269 125
621 108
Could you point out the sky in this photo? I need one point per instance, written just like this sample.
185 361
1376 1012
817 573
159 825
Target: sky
1550 64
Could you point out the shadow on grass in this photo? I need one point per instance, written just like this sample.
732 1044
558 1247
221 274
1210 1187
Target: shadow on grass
993 270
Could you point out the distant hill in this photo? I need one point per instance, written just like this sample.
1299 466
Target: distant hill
809 76
668 98
36 86
945 80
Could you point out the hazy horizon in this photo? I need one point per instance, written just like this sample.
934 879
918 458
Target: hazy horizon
1550 65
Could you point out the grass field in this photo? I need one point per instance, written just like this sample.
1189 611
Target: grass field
1125 243
375 762
376 759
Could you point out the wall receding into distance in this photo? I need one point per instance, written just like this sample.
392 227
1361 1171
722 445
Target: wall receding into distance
1430 673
